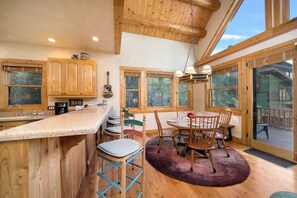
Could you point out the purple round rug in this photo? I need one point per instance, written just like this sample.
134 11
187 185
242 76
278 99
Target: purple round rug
230 170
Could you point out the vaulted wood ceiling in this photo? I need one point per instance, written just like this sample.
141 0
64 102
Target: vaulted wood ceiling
168 19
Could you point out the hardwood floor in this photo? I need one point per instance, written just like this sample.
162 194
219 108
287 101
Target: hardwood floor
265 178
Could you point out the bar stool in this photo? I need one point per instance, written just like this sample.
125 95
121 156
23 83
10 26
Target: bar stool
121 152
115 131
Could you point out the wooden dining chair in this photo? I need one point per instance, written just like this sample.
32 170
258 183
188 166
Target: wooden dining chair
121 152
201 139
221 135
164 133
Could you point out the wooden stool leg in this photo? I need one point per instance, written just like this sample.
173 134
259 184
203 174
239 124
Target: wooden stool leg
123 180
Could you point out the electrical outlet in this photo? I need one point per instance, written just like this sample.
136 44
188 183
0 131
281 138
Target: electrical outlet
51 107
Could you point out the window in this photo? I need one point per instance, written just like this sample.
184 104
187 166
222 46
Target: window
183 94
247 22
25 87
144 90
159 90
132 90
224 88
24 83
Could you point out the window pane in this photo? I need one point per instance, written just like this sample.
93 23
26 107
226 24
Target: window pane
293 9
132 82
24 95
247 22
224 98
25 78
182 86
158 92
132 99
183 98
225 79
132 92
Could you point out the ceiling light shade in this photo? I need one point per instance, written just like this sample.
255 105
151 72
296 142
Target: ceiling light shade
190 70
206 69
179 73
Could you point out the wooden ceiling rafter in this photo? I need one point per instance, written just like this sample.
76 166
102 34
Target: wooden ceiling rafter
162 25
118 24
212 5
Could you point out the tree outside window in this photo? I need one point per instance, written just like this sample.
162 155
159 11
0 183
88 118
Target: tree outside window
224 88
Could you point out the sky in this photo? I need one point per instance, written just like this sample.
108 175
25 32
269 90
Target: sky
248 22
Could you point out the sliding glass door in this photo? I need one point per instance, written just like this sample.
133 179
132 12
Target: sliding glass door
272 103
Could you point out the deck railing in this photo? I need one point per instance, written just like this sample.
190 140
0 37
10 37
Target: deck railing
279 118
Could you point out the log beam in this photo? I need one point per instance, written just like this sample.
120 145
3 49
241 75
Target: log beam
118 24
212 5
162 25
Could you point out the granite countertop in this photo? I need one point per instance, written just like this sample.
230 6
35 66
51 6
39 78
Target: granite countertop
85 121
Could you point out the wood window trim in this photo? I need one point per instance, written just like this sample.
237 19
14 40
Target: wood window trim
226 65
264 36
143 91
4 87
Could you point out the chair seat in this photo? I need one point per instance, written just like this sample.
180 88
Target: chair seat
117 129
113 122
169 133
202 144
119 147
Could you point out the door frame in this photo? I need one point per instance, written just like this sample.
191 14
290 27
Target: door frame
289 155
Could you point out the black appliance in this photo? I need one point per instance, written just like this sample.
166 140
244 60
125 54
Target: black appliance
61 107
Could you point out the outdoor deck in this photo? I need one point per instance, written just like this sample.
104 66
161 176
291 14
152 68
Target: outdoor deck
278 137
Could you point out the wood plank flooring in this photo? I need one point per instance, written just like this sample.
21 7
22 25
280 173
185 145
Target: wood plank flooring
265 178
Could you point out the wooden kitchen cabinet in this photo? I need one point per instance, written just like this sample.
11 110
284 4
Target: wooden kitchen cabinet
71 78
11 124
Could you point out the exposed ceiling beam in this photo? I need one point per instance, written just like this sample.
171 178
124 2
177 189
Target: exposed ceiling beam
166 26
118 24
212 5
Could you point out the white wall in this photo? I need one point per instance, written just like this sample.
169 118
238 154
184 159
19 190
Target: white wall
199 90
137 50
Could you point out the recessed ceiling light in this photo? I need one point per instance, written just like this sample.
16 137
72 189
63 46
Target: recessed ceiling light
51 40
95 38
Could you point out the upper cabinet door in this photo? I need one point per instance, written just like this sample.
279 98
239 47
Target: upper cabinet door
54 78
88 79
71 78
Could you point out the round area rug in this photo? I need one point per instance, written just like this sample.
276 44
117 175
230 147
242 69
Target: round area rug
283 194
230 170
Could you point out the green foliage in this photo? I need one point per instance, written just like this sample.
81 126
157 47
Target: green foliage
158 92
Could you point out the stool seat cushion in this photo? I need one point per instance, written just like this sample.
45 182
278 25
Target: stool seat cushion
116 129
119 147
113 117
113 122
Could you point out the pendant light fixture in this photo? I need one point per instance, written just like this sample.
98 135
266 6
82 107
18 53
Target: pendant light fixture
189 75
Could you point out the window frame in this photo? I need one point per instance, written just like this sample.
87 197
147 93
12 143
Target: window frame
226 66
143 108
5 83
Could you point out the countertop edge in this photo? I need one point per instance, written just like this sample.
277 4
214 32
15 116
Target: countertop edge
15 134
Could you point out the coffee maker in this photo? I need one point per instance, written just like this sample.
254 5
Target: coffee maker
61 107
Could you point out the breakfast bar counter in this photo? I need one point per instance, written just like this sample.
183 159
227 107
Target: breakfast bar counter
49 157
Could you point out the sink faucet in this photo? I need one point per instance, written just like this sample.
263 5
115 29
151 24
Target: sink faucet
18 106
